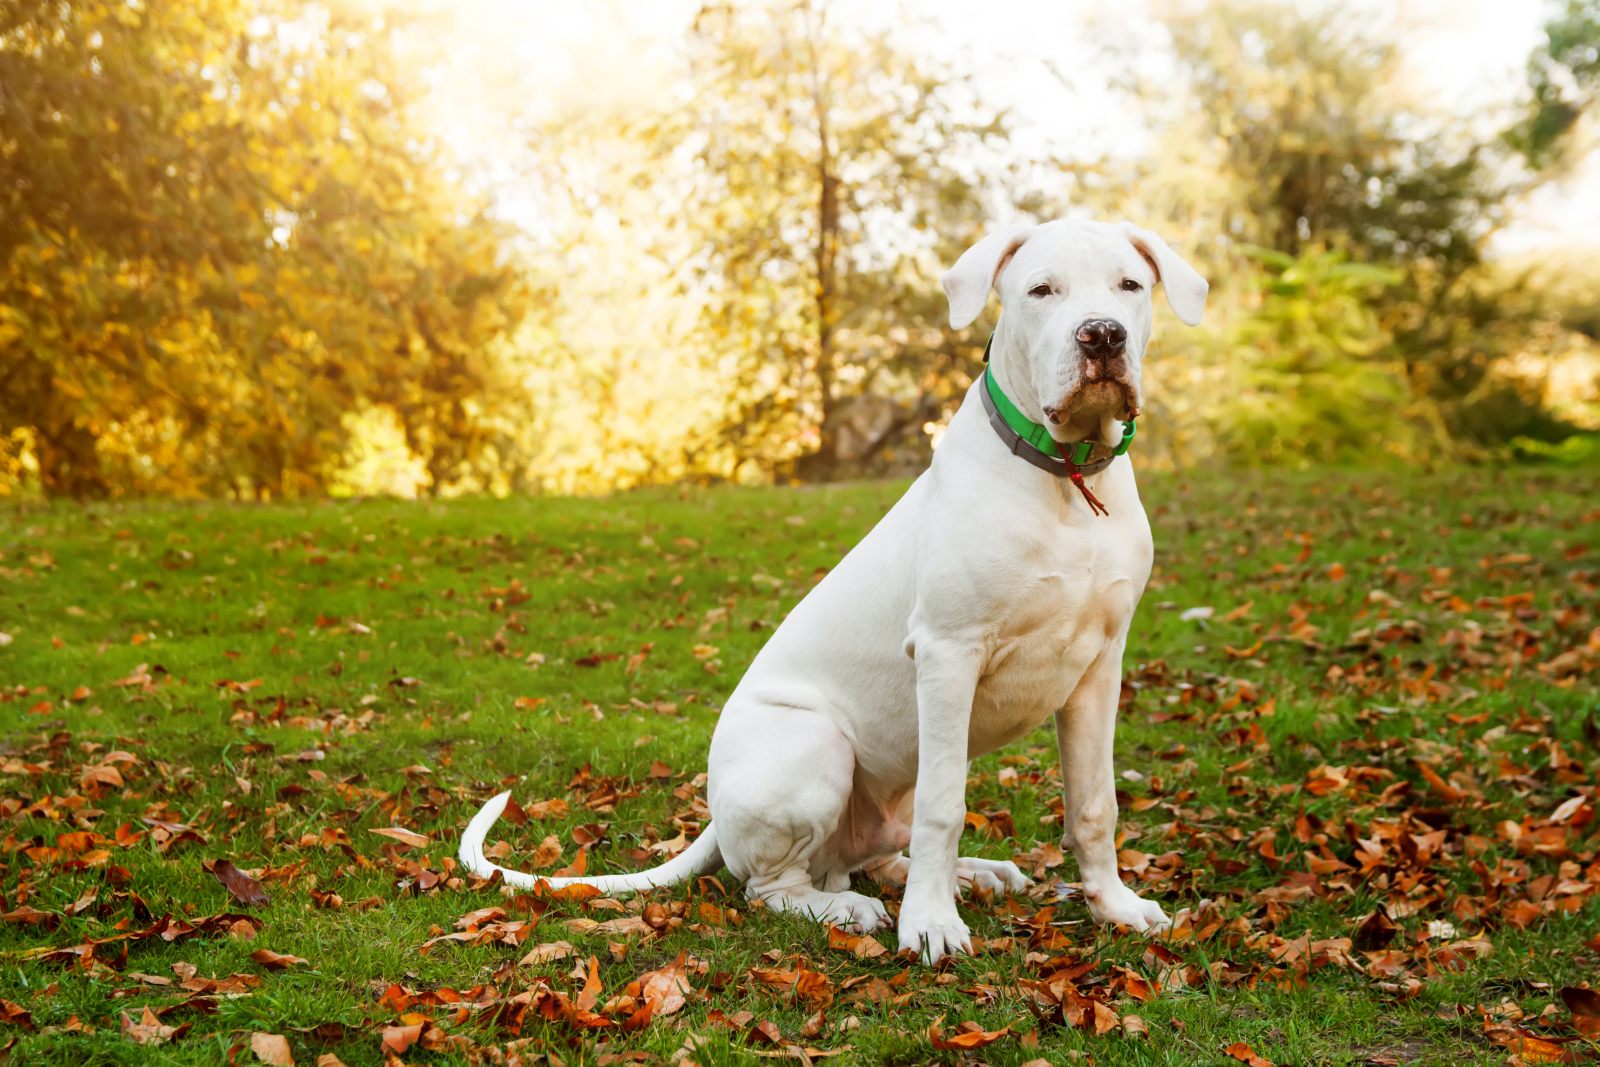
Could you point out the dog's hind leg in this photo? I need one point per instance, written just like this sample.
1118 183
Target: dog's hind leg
780 786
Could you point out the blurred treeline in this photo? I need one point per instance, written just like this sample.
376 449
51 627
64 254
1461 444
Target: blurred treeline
236 261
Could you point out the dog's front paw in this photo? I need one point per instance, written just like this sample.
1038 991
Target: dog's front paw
1122 906
933 932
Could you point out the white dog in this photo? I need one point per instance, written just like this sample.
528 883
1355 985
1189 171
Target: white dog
996 593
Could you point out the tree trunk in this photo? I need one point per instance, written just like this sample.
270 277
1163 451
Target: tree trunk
824 462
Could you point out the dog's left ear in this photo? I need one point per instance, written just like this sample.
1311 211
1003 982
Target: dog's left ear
1186 290
967 284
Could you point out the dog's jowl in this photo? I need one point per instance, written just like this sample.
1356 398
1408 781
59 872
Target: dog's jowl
998 592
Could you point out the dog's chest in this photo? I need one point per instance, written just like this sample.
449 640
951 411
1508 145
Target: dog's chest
1076 605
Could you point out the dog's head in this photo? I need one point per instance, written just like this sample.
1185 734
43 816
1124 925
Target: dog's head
1076 296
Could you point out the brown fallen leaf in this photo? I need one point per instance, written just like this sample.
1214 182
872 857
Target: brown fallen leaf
576 868
1375 931
1584 1004
548 854
1133 1026
406 837
397 1039
150 1030
30 916
861 946
1450 793
242 887
547 953
272 1049
274 961
15 1015
1528 1047
968 1035
1247 1055
665 990
590 994
809 987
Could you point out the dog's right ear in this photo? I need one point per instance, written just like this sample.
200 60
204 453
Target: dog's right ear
967 284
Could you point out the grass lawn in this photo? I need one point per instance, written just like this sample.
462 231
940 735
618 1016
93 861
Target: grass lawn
1366 780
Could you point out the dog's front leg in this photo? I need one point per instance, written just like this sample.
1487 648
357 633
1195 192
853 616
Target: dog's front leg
947 677
1085 729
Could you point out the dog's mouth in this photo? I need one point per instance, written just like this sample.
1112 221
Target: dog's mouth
1090 408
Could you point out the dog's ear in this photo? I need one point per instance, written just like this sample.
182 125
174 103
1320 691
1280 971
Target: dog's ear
967 284
1186 290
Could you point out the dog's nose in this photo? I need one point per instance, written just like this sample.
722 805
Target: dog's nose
1101 338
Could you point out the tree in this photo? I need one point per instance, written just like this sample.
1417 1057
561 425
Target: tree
1297 110
826 162
223 237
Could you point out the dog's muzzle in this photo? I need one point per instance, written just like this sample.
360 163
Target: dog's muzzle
1105 381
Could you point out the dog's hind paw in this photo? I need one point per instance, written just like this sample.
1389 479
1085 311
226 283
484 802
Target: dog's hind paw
855 912
1123 907
991 877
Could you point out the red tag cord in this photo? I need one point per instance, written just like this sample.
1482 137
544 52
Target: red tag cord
1077 480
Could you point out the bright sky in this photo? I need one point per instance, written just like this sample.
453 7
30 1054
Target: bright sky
1462 57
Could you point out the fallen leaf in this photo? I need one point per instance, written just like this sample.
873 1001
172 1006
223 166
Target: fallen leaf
242 887
15 1015
589 996
31 916
665 990
1527 1047
967 1036
150 1030
1247 1055
272 1049
274 961
1375 931
861 946
547 953
1584 1004
397 1039
405 837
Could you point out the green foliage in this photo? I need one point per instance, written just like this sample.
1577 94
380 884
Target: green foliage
1564 84
1299 111
1579 450
1314 380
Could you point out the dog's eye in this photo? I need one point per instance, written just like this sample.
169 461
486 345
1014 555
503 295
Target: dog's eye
1042 289
1130 286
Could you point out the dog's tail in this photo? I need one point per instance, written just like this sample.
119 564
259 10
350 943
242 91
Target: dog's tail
700 857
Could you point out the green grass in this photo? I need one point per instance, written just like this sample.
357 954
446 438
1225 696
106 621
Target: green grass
1361 621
